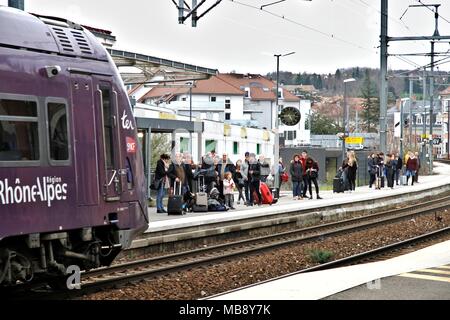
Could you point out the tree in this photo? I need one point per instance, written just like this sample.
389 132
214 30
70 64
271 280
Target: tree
160 144
371 104
322 124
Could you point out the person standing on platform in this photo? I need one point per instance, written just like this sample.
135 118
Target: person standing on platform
296 173
281 170
312 170
245 175
344 169
352 167
161 181
223 167
372 169
228 188
254 172
419 165
398 167
239 180
411 168
177 174
303 159
390 170
189 168
265 168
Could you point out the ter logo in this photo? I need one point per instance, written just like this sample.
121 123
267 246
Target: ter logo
74 280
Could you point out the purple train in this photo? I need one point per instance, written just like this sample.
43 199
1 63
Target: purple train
72 184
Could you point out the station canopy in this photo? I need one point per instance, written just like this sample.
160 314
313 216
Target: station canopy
138 69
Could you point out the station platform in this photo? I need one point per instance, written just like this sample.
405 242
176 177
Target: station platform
423 274
364 197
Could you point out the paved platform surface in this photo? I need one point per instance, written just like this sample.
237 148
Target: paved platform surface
424 284
423 274
160 222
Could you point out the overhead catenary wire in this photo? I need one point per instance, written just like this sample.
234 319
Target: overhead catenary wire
428 7
283 17
436 63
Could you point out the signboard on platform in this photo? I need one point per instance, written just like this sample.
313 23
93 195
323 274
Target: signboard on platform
354 140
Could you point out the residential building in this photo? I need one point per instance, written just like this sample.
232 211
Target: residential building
242 99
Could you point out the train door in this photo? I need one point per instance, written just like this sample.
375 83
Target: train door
85 143
110 151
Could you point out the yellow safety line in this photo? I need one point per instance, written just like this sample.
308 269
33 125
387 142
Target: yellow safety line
424 277
444 267
434 271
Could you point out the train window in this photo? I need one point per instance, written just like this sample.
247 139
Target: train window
108 126
57 131
19 133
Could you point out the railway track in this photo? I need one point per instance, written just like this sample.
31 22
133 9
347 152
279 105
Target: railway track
136 271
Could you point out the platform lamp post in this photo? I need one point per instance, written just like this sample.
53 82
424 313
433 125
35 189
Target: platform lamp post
346 113
277 123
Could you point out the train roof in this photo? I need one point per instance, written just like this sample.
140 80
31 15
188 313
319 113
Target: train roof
48 34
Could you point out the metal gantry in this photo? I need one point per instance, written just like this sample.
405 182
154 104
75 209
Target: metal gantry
385 39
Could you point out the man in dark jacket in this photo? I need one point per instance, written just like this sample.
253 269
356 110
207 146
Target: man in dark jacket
398 167
160 181
188 167
372 169
254 172
177 174
303 159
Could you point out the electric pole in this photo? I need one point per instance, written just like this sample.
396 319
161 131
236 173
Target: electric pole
383 76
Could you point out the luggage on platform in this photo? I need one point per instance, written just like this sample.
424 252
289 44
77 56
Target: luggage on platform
266 194
338 185
175 202
404 180
201 195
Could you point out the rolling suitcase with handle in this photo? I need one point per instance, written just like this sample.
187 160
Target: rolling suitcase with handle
175 202
201 197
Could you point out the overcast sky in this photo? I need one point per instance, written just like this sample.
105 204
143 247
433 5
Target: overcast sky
243 39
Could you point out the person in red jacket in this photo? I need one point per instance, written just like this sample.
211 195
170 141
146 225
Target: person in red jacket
411 168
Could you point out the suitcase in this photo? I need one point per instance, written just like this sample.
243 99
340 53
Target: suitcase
201 197
175 202
404 181
338 185
266 194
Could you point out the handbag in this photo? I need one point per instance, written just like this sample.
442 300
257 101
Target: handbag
284 177
156 184
313 174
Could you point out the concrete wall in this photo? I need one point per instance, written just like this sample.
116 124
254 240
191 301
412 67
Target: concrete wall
329 161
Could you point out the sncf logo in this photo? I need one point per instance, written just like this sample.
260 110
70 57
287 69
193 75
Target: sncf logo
131 145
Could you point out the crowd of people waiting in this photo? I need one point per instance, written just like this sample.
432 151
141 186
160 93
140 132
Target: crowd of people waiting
214 172
247 174
393 168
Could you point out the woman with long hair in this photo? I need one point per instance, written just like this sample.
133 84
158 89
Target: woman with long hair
351 170
312 171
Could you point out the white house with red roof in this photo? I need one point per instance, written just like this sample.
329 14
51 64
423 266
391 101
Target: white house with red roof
242 99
